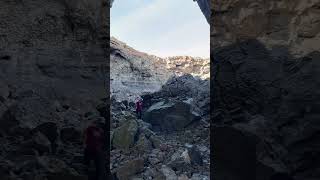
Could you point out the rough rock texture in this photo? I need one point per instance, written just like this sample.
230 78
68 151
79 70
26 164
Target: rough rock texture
170 116
186 88
294 25
134 73
265 87
171 139
53 60
183 153
181 65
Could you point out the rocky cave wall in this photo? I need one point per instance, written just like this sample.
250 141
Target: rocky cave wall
54 50
293 25
265 68
53 65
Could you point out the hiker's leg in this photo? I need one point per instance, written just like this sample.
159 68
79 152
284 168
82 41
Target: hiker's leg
86 160
100 166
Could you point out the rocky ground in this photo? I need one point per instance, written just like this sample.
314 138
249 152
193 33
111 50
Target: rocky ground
172 140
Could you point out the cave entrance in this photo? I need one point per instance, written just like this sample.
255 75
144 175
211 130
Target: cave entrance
160 71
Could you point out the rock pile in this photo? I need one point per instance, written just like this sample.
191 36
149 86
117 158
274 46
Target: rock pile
171 142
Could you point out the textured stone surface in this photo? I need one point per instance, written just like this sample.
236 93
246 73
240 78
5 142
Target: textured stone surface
265 84
53 61
291 24
170 116
134 73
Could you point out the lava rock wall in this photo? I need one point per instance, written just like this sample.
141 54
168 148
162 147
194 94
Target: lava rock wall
264 87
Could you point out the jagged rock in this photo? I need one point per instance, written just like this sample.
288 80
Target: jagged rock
180 161
130 168
168 173
143 145
187 88
199 177
170 116
195 156
135 73
124 136
183 177
156 142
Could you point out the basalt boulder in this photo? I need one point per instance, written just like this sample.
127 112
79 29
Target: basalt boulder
170 116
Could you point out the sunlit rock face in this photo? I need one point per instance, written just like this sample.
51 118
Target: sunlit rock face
189 65
134 73
291 24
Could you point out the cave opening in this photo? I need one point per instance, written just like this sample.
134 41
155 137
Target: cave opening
160 71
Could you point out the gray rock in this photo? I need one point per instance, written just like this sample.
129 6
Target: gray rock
130 168
124 136
169 116
168 173
195 156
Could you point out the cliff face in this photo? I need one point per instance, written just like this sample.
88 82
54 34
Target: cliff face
265 88
134 73
53 61
189 65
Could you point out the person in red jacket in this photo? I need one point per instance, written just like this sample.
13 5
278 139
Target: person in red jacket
139 108
94 139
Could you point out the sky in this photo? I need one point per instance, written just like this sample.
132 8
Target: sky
161 27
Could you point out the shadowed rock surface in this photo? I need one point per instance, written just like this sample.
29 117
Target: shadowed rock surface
265 87
53 58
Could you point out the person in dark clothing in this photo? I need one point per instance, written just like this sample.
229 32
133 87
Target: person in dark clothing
94 149
139 108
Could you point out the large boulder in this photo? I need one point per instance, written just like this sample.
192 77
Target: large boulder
130 168
244 145
272 96
125 136
170 116
193 90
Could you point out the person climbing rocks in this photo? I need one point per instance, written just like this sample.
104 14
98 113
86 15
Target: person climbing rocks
139 108
94 142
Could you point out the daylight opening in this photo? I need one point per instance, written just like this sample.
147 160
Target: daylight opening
160 73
